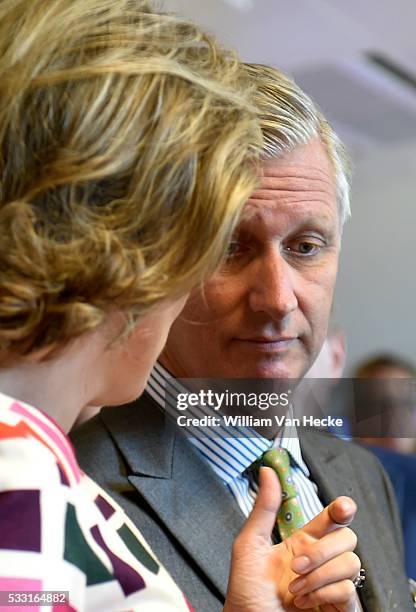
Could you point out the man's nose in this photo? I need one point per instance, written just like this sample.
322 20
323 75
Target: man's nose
272 289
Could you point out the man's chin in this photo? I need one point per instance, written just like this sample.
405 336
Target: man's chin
259 363
264 370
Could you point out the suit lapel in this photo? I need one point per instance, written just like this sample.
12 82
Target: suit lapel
179 486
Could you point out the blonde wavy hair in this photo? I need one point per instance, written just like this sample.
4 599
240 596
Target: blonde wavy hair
289 117
127 143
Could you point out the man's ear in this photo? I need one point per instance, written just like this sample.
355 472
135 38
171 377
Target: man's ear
338 352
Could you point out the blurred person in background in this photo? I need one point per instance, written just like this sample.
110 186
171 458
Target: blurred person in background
124 135
264 314
392 384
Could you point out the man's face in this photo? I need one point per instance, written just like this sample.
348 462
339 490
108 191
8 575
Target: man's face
264 313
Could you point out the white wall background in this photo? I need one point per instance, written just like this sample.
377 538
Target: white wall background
376 290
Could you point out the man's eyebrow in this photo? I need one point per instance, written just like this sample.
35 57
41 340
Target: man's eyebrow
323 219
242 232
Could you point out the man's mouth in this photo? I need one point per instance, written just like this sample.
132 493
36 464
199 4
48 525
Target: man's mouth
267 343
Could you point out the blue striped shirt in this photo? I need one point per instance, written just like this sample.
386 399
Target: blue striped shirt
230 456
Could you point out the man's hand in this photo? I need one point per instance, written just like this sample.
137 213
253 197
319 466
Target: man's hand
313 567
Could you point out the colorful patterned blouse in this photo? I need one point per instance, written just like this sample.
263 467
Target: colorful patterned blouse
59 531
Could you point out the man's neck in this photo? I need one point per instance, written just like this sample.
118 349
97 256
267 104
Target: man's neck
172 365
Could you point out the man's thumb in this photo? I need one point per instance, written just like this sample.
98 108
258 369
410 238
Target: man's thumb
269 497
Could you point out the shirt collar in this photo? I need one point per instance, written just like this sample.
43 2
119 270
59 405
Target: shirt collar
228 456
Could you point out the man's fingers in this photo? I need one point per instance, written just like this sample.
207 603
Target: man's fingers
344 567
338 594
263 516
339 513
316 553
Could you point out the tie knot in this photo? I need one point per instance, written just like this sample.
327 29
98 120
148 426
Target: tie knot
278 459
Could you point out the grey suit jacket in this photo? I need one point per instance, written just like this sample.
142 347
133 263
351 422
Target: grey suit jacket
190 519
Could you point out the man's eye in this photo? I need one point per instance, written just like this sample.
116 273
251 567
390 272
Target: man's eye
304 247
234 248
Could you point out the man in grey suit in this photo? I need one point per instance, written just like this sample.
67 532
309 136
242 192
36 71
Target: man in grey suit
264 314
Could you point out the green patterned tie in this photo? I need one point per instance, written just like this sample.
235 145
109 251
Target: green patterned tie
290 517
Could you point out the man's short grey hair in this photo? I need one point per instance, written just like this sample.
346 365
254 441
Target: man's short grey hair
288 118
